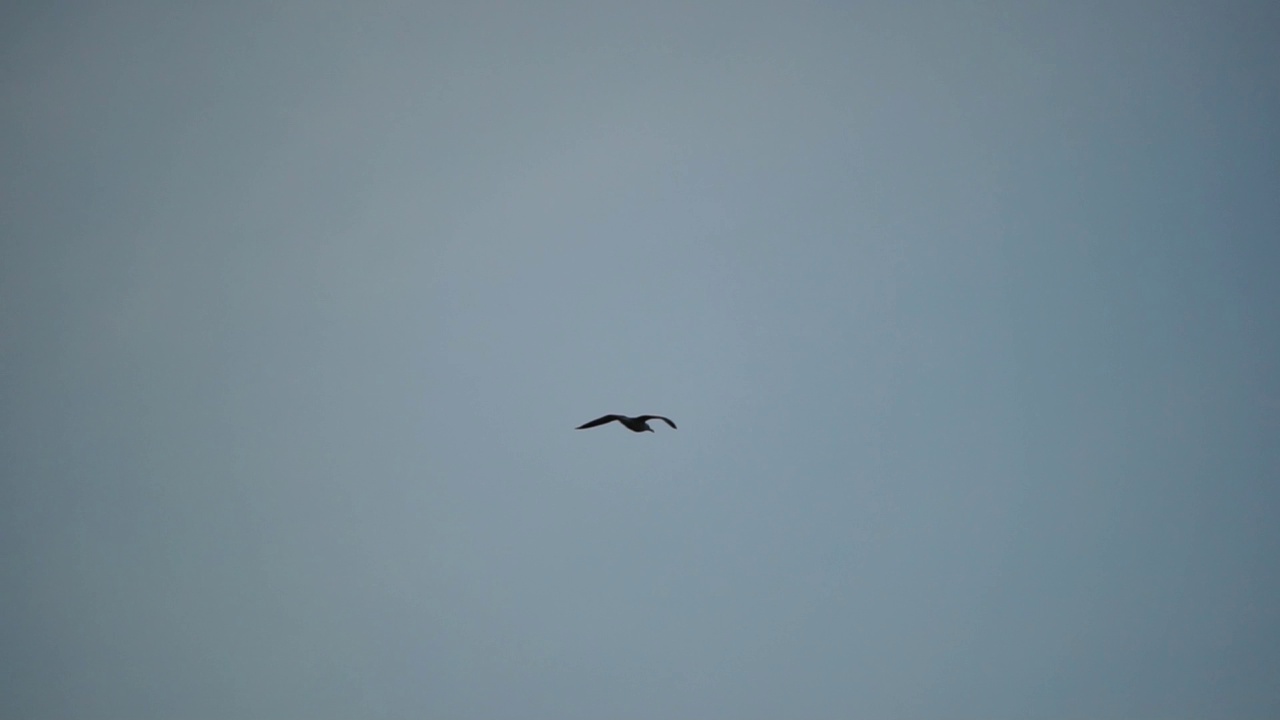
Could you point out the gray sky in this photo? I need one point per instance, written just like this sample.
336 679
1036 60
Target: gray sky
967 313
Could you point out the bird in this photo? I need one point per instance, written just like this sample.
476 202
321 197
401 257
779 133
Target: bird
634 424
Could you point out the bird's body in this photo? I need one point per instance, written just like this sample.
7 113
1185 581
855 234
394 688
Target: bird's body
634 424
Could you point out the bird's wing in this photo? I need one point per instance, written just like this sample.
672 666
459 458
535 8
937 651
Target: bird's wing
658 417
598 421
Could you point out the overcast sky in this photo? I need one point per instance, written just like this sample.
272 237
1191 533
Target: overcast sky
967 312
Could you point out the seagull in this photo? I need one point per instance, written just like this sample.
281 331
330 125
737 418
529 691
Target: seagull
634 424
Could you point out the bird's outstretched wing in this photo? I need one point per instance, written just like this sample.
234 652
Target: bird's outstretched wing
658 417
598 421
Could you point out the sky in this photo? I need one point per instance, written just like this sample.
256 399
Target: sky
966 312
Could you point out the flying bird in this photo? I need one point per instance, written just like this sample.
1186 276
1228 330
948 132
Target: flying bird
634 424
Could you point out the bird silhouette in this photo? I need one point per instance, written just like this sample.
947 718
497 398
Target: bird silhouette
634 424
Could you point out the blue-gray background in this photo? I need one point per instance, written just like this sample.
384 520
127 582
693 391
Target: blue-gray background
966 311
